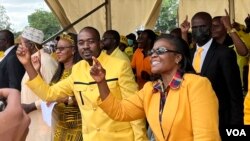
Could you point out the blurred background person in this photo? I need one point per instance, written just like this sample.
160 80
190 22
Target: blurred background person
46 66
11 70
141 60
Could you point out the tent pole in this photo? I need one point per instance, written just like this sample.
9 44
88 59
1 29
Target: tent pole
108 14
231 10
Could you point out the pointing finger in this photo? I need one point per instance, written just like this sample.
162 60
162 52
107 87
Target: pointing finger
186 18
96 62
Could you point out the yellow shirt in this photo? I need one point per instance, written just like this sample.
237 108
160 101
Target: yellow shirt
1 54
129 51
119 54
96 125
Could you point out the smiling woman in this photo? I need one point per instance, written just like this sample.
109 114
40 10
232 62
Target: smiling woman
18 12
173 105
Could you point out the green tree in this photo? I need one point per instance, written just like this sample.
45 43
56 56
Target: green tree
4 19
168 16
44 21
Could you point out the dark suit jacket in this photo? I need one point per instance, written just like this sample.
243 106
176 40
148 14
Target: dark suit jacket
220 67
11 71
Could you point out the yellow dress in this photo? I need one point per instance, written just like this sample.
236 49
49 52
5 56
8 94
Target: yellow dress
66 119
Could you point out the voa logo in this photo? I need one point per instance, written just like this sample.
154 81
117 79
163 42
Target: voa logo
236 132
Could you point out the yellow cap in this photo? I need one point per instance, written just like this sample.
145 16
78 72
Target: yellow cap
124 40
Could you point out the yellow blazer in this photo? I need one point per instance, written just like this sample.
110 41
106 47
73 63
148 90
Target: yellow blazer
247 109
247 104
190 112
96 125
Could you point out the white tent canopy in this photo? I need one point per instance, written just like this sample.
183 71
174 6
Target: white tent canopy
238 9
124 16
127 16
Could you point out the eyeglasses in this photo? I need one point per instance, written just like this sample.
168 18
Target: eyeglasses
62 48
160 51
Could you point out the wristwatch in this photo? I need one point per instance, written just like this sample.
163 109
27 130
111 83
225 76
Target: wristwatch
231 31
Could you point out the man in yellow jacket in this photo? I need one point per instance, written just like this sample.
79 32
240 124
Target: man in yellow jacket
96 125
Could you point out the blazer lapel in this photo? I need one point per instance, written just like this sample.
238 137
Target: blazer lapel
153 116
170 110
208 58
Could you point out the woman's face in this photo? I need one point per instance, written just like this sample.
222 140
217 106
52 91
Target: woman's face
29 44
164 58
64 51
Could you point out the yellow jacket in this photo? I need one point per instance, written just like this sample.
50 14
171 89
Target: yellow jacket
247 108
247 104
190 112
96 125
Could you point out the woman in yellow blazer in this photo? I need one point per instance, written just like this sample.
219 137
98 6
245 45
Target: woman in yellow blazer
179 106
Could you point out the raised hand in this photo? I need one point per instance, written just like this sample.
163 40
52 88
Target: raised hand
247 21
23 53
24 56
185 25
97 72
36 61
226 21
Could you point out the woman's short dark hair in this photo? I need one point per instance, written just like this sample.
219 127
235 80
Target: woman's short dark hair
181 47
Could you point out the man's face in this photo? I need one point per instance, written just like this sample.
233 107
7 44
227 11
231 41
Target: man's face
143 40
107 40
200 30
218 29
3 42
88 45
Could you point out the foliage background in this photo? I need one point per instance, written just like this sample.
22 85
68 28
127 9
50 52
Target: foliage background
168 16
4 19
44 21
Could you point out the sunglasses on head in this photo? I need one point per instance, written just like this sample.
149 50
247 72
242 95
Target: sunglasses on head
160 51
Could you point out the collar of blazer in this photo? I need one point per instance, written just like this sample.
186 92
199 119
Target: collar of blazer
163 128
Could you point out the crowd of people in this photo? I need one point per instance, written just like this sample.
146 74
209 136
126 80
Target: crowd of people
178 86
